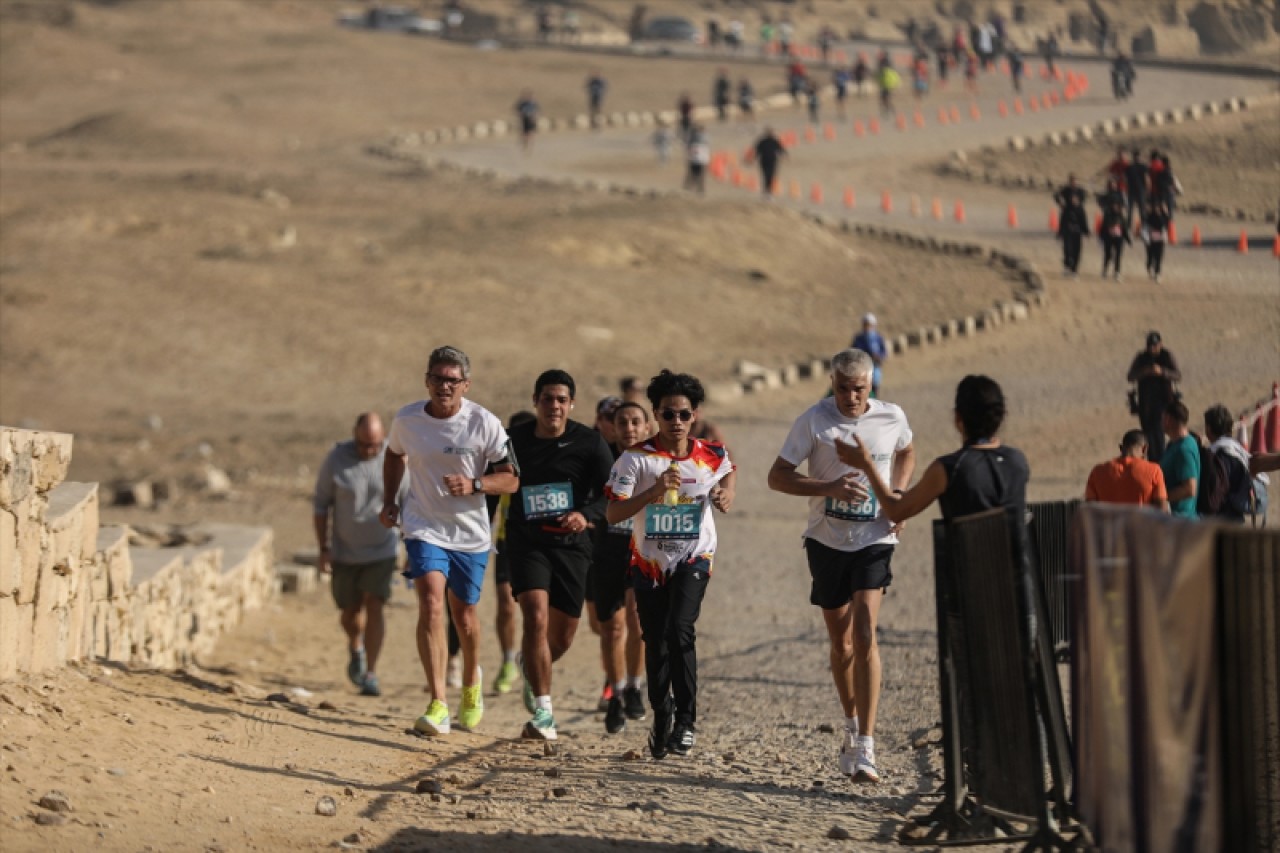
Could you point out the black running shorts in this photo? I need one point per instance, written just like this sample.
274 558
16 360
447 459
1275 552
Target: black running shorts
561 570
610 568
837 575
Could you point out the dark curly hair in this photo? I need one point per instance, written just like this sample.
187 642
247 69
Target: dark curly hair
980 406
668 384
555 377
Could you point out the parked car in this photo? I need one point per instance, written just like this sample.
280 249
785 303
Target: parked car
671 28
391 18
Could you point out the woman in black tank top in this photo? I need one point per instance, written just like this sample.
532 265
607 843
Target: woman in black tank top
981 475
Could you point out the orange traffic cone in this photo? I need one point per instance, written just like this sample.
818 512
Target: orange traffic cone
937 208
886 201
875 126
959 211
901 121
942 116
828 131
858 128
919 119
1013 216
815 194
1173 233
973 112
1195 236
1243 246
1033 105
737 177
1275 247
1017 105
1004 109
850 200
1053 220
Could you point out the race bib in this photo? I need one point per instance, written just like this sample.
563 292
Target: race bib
624 527
865 510
551 500
666 522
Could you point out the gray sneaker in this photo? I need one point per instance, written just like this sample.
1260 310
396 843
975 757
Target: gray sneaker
357 666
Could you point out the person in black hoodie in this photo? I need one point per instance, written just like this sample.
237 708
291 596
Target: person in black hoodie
1135 180
1114 234
1155 228
1073 227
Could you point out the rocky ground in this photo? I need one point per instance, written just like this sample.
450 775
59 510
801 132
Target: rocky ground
203 271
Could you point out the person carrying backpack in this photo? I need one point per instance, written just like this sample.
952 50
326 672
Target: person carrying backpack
1234 495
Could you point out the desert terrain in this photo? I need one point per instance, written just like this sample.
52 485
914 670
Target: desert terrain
202 268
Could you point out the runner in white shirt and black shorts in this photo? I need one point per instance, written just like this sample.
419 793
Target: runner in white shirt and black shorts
446 443
849 540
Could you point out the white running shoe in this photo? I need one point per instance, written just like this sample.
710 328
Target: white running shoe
849 753
453 677
864 763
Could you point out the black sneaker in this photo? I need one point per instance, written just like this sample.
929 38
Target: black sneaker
615 719
661 733
681 740
633 699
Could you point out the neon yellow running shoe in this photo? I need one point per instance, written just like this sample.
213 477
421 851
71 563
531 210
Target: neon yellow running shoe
472 708
434 720
506 678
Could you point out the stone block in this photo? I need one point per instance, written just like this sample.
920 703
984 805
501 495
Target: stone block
790 374
31 460
10 560
1018 311
989 319
499 127
1155 118
581 121
1234 105
1084 133
77 619
112 553
49 638
899 344
8 637
303 580
918 337
949 328
967 326
480 130
24 630
1213 108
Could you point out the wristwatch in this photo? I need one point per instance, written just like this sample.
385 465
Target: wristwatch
477 486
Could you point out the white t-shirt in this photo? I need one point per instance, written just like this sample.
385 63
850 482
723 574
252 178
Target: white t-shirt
883 430
662 536
433 447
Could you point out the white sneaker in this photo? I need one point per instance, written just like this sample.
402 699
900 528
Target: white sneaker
864 762
454 676
849 753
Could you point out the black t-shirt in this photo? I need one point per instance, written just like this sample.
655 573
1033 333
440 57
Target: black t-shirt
579 457
979 479
769 149
1154 390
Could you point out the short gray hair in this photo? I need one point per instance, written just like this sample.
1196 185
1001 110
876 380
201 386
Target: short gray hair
450 355
852 362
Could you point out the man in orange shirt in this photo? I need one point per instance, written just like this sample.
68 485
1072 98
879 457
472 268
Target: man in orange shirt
1129 478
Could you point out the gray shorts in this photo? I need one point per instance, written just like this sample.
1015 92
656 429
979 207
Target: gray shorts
351 581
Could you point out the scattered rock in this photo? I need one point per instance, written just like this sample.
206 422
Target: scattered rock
827 729
300 693
549 749
347 792
278 697
729 758
632 755
838 833
113 771
50 819
429 786
326 807
353 838
326 705
757 275
55 801
552 772
560 792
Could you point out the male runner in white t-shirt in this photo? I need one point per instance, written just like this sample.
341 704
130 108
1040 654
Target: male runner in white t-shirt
446 442
849 541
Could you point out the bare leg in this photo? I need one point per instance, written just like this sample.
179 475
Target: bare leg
506 617
840 632
468 625
353 624
533 645
560 631
866 657
611 645
375 629
433 643
635 638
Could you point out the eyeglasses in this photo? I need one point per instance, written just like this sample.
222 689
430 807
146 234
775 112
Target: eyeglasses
445 381
685 415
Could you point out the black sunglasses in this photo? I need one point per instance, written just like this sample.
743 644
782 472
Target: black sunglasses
445 381
684 415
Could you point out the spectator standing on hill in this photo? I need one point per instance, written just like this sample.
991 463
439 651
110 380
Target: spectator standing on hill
1181 461
1017 69
1155 232
596 88
1129 478
357 550
1155 371
768 151
722 94
527 113
840 79
1073 227
1114 235
870 341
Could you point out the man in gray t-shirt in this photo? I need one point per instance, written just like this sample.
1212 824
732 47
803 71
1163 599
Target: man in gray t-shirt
356 548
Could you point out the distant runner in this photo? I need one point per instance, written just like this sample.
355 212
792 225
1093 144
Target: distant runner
527 113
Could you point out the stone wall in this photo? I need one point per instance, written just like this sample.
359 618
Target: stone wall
71 589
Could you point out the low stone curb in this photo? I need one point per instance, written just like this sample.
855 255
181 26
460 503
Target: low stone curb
960 167
1030 295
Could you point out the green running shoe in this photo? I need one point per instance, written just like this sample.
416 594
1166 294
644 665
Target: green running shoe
434 720
530 701
541 727
472 706
506 678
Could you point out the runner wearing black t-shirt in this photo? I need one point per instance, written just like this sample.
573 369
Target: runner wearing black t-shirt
768 150
564 467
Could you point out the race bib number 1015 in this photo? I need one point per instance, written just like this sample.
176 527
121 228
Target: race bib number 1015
664 522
